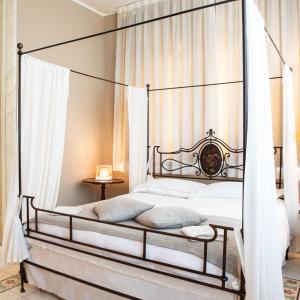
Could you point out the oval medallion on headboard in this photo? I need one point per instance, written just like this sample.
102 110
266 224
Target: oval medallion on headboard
211 159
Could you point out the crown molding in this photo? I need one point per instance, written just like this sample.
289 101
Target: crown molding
98 12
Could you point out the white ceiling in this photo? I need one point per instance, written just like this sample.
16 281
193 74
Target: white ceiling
103 7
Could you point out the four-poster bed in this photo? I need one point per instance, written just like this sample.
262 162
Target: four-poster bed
205 147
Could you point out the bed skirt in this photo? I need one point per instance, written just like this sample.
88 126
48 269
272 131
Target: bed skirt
131 281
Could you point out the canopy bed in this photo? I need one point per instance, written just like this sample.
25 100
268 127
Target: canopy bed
129 259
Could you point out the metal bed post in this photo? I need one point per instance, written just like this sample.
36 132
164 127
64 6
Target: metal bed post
19 122
245 119
245 90
148 124
280 168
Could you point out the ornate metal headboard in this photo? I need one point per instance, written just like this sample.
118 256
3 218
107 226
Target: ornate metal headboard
210 158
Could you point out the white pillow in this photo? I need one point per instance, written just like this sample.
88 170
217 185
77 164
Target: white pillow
222 190
171 187
227 189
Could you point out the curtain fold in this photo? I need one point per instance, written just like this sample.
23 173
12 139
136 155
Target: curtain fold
291 192
261 244
137 123
45 90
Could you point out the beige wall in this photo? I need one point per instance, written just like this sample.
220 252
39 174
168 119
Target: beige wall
90 109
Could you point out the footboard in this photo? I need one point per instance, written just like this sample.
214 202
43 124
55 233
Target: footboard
71 245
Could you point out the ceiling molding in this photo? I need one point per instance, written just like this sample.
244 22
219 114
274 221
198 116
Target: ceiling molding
98 12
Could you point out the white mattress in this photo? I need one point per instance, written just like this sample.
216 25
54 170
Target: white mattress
225 207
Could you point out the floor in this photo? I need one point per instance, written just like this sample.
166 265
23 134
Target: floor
32 293
292 267
290 270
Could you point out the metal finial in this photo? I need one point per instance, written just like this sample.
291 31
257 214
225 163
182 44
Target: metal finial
20 46
148 86
210 132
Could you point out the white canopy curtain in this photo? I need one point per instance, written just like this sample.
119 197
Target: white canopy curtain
142 59
45 90
8 13
196 48
282 20
137 121
261 244
291 191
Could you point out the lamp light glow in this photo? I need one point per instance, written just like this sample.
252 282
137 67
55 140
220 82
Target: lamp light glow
104 172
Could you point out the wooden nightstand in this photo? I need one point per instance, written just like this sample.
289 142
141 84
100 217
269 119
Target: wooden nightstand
103 184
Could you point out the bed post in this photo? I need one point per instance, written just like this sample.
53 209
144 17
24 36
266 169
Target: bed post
148 125
245 120
19 117
245 92
280 168
19 122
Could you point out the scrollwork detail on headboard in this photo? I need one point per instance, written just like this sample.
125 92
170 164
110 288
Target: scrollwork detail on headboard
210 158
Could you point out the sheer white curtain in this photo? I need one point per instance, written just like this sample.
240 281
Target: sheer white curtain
167 54
197 48
282 19
8 13
291 192
137 121
261 244
45 90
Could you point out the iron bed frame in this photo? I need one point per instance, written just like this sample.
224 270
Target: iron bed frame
196 165
201 152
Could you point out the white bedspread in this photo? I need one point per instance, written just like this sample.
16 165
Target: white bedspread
225 207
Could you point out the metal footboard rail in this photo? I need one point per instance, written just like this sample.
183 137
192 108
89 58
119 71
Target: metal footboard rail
145 232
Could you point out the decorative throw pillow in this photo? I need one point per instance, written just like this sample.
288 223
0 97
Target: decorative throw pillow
120 209
170 217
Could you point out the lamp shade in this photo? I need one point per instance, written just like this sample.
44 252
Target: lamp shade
104 172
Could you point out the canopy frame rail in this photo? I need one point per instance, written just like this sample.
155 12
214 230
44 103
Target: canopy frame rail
131 25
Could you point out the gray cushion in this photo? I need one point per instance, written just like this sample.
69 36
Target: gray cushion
120 209
170 217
